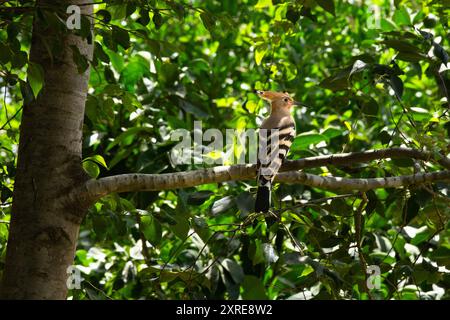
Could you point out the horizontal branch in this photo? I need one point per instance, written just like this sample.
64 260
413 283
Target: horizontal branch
346 184
95 189
347 159
168 181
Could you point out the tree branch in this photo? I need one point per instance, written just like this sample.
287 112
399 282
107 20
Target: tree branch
346 184
365 156
95 189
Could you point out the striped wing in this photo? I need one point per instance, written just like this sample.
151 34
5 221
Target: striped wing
274 145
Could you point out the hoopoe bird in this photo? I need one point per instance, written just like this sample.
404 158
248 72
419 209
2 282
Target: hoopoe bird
275 138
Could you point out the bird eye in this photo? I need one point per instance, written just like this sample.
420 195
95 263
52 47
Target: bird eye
286 99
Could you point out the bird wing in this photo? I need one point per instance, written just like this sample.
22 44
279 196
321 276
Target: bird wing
275 139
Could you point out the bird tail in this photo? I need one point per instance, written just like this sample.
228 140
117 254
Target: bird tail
262 203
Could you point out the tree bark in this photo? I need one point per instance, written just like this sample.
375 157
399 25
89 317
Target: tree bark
92 190
52 192
44 232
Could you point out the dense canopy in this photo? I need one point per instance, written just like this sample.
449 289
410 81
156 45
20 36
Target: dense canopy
373 75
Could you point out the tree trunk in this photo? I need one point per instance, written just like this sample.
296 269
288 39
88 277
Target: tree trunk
43 230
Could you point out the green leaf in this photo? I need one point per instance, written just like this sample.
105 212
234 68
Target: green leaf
199 197
429 21
108 107
256 252
331 133
109 75
168 73
401 17
340 207
338 81
134 71
100 225
357 67
19 59
327 5
441 255
397 85
100 53
92 108
113 90
35 76
154 46
121 36
292 14
222 205
127 137
208 20
263 4
6 194
245 203
384 137
178 8
306 12
253 289
325 239
304 140
373 202
387 25
270 255
105 16
27 92
144 17
130 9
5 53
91 168
260 52
80 60
12 79
234 269
152 229
420 114
369 105
407 51
411 209
421 237
403 163
190 108
181 228
12 30
117 60
85 31
157 20
97 159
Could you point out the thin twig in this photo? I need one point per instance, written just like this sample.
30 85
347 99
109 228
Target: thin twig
358 236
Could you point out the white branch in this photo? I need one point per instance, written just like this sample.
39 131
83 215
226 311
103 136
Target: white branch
346 184
95 189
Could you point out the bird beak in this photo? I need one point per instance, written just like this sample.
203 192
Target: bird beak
296 103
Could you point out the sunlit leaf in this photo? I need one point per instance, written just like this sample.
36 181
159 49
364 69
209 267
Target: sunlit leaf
260 52
35 76
304 140
91 168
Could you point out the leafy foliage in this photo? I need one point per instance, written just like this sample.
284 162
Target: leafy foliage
371 81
